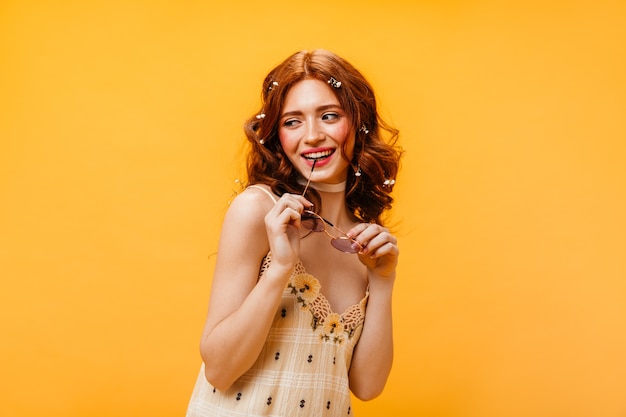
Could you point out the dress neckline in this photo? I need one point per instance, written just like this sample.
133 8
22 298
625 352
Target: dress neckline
300 269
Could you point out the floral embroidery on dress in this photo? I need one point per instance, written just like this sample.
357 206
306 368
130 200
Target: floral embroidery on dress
332 327
305 287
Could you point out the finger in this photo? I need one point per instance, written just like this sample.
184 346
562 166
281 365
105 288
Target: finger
357 230
386 249
283 215
290 216
296 198
288 202
364 233
373 239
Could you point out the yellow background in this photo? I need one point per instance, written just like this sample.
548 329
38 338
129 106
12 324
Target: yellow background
120 129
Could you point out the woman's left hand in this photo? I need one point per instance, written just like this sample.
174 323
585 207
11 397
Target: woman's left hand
378 248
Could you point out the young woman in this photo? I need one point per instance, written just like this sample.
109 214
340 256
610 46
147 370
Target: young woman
300 306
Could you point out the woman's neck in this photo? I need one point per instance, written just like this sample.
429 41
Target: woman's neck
324 187
334 207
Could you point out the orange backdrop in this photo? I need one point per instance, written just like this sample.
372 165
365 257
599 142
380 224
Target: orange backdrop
120 129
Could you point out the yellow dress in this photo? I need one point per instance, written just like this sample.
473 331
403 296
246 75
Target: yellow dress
302 369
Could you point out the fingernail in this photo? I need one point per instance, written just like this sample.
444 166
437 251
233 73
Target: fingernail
361 249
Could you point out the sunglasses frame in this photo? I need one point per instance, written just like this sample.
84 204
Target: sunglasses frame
334 240
311 214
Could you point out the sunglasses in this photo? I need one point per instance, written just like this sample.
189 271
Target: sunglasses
313 222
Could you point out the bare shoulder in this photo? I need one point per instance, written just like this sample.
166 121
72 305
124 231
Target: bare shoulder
253 203
245 218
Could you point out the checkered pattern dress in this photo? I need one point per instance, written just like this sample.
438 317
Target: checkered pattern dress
302 369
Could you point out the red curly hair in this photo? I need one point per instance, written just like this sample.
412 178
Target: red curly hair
375 150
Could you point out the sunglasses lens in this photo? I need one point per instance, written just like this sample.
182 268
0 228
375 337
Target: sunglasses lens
343 244
311 222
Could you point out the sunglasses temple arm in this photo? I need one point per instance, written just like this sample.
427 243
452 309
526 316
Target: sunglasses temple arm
306 187
338 229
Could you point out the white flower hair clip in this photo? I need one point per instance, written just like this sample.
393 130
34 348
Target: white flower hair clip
334 82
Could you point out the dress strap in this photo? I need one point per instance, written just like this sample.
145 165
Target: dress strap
272 196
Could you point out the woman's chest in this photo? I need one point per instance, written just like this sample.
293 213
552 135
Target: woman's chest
342 277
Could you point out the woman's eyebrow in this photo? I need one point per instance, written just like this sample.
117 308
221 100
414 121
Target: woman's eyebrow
318 109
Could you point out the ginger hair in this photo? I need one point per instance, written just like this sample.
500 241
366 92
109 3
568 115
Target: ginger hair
375 151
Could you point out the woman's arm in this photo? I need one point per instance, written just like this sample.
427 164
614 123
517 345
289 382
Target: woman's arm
373 354
242 307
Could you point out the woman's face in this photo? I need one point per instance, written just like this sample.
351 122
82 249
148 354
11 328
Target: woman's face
313 126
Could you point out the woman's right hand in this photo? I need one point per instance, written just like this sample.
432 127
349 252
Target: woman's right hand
282 224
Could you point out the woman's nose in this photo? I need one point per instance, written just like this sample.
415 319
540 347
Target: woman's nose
313 133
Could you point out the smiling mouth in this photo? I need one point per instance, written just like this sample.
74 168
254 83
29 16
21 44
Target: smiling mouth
316 156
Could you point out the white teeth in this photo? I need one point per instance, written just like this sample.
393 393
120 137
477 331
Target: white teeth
318 155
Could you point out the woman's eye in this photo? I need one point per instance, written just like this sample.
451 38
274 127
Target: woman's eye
330 116
290 122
